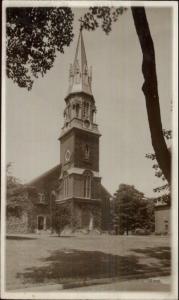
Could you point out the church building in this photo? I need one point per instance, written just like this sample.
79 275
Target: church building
75 184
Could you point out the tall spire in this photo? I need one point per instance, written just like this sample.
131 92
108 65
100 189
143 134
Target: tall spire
79 76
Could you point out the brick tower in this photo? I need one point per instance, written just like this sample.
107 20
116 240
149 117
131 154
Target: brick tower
80 183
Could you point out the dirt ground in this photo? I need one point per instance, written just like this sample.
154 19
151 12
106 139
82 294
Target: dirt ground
35 260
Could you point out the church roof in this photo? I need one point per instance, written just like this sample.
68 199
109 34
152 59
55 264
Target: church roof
80 76
54 174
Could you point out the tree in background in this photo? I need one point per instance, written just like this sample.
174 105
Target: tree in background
61 218
16 197
12 183
33 37
132 209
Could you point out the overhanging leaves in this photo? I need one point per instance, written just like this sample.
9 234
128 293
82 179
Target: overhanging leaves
33 36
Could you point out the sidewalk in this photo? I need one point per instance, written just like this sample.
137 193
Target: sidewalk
149 284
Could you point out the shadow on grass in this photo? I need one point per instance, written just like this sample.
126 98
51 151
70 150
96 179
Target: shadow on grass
10 237
162 254
68 264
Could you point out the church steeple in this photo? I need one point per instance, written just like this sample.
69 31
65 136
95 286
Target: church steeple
79 76
80 110
80 182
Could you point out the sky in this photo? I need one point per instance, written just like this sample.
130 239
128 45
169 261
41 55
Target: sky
34 118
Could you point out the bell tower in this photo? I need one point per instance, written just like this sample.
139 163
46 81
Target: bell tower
80 183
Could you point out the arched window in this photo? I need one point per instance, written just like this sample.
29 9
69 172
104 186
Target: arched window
87 186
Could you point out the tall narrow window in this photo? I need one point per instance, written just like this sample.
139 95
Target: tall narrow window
87 152
65 186
41 197
77 110
87 186
86 110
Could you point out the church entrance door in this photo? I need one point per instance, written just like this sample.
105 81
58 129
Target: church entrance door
85 218
40 223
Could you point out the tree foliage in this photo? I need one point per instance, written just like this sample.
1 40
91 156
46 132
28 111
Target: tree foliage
101 16
61 217
12 183
166 188
33 36
131 211
16 195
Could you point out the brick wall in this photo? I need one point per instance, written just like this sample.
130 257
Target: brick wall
67 142
81 139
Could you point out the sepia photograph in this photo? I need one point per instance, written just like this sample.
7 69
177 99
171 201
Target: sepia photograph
89 150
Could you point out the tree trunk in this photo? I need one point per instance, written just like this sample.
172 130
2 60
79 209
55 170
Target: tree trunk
150 90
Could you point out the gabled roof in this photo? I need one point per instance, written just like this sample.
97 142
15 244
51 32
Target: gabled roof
105 191
52 172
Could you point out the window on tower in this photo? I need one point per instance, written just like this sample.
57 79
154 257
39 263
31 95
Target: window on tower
93 115
87 152
87 186
86 110
65 186
77 110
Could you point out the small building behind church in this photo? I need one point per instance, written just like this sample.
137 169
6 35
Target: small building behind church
162 217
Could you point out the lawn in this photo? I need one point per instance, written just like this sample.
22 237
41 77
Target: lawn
39 260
